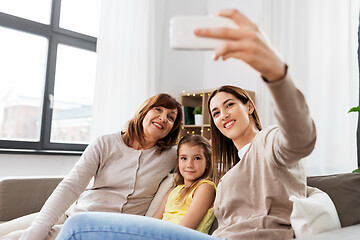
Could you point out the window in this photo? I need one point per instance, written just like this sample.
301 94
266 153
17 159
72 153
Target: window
47 77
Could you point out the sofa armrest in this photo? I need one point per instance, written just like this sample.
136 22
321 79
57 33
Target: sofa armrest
20 196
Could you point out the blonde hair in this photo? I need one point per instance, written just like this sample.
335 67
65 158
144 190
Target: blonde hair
224 152
193 140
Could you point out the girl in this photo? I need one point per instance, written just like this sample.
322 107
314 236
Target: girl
190 202
127 168
258 170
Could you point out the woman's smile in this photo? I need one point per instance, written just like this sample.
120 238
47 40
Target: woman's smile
229 124
158 125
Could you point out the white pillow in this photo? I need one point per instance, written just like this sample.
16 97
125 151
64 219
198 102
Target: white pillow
314 214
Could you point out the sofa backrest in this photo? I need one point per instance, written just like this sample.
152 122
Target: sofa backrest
20 196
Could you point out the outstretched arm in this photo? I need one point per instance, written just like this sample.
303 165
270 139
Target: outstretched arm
298 134
203 199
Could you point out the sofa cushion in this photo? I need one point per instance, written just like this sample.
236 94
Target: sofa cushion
314 214
344 191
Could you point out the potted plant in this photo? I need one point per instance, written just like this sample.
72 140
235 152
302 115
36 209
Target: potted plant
198 115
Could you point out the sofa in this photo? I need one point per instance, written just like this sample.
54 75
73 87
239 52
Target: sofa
24 195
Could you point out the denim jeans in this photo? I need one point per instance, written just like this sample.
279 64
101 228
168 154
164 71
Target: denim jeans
109 226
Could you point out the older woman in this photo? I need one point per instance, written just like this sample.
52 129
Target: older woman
127 168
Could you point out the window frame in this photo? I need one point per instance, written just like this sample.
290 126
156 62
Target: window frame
55 36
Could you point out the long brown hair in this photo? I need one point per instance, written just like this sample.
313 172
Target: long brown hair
135 130
224 152
193 140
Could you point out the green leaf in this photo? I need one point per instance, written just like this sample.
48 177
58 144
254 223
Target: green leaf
355 109
198 110
356 170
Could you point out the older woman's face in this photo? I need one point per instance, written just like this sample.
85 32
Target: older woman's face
158 122
230 115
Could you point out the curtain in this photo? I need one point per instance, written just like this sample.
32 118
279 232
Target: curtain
128 68
318 39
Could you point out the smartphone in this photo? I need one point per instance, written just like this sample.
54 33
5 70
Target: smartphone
182 31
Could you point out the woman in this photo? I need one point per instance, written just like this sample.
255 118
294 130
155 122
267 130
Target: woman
252 200
127 168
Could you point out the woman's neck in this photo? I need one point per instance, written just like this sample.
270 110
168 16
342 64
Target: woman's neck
246 138
141 146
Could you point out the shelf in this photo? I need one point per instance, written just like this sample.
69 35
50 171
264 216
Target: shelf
194 99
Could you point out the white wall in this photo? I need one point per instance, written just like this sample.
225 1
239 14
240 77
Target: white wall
231 72
188 70
181 70
35 165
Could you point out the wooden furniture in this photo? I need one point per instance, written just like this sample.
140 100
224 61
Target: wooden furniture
194 99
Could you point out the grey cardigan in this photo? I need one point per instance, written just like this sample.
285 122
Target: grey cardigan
252 200
125 181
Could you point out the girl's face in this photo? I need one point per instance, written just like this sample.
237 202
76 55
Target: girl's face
158 122
230 115
192 162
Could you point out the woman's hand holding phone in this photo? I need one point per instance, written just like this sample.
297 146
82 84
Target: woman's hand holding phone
245 43
238 38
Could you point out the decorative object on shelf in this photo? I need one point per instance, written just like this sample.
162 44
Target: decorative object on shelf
198 115
188 116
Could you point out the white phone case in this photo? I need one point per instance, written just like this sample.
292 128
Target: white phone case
182 31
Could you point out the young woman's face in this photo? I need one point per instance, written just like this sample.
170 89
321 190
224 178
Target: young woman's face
230 115
158 122
192 162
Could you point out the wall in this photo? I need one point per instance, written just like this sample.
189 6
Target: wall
231 71
181 70
35 165
194 70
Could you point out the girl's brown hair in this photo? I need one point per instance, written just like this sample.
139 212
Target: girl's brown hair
193 140
224 152
135 130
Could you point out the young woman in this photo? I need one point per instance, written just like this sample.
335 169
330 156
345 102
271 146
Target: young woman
127 168
258 170
190 203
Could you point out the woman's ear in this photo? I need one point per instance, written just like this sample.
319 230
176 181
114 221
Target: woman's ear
250 108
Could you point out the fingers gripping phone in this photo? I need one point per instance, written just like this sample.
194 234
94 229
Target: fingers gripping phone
182 31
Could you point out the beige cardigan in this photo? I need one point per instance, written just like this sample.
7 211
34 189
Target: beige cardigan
125 181
252 200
